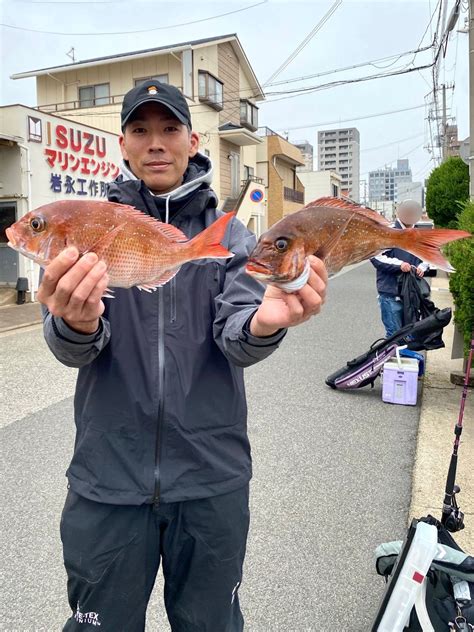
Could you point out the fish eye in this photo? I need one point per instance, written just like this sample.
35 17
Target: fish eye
281 244
37 224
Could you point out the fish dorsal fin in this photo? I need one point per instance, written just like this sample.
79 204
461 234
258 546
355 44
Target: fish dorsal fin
367 212
168 230
333 202
164 278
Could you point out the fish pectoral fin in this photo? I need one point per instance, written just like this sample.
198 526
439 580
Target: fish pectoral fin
104 242
109 293
325 249
162 280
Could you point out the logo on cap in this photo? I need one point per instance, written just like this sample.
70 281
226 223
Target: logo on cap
152 90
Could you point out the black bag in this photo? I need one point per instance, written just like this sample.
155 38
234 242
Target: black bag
415 294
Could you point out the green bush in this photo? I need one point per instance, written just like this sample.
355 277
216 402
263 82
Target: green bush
461 282
447 185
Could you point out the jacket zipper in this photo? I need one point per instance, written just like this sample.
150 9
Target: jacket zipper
161 393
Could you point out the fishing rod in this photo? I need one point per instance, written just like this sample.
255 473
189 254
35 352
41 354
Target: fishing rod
452 517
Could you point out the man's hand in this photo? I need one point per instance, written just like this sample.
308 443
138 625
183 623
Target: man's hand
406 267
279 309
420 272
72 289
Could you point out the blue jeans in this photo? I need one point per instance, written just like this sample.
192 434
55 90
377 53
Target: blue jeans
392 313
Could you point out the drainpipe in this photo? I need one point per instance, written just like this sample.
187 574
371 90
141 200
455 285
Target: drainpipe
31 265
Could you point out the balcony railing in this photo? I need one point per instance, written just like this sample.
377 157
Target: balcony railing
78 104
292 195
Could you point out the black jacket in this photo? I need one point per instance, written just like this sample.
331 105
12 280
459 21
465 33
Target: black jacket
160 406
388 267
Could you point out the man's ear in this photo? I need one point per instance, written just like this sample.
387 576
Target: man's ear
122 147
193 144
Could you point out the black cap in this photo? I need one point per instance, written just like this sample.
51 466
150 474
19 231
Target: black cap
156 92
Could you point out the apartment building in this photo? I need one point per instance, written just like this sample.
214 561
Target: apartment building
307 151
277 163
339 150
383 183
217 80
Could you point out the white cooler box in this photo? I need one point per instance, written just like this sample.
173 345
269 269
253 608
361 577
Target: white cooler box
400 381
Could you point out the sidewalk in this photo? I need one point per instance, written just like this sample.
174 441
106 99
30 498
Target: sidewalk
439 414
17 316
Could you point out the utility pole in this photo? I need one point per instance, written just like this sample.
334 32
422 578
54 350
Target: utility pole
444 126
471 99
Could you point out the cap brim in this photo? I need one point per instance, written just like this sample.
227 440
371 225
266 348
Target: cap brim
182 119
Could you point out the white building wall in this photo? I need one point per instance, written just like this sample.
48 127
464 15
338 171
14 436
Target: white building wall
319 184
48 163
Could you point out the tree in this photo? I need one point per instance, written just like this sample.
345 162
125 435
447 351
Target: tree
447 186
461 283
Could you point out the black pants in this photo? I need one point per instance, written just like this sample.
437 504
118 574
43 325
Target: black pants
112 554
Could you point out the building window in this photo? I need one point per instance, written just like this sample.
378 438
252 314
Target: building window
207 153
94 95
249 172
160 78
335 190
211 90
248 114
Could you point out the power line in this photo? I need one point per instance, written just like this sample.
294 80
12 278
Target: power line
304 43
157 28
343 69
300 91
349 120
395 142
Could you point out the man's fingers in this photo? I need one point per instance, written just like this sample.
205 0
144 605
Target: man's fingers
295 307
319 268
311 299
82 292
72 279
55 270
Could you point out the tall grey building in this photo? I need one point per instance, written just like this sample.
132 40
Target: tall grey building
306 149
339 150
383 183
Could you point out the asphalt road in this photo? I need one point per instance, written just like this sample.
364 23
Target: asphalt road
332 478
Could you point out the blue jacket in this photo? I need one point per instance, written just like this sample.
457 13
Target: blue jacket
388 267
160 407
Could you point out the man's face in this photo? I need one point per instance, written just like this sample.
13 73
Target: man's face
409 214
158 147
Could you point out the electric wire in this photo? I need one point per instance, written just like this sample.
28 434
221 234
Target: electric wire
305 42
149 30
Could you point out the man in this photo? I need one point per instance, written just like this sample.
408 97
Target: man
161 465
391 263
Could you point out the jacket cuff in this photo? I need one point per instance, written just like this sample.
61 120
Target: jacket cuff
261 341
63 331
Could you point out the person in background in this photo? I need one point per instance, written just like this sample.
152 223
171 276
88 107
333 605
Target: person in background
394 262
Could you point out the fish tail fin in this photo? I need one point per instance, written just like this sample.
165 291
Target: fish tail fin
207 243
426 244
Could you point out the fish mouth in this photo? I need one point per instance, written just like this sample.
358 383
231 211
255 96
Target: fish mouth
10 237
262 271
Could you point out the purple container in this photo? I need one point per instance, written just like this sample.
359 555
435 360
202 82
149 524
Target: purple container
400 381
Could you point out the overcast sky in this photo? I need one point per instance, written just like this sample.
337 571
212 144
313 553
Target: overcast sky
356 32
